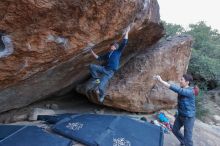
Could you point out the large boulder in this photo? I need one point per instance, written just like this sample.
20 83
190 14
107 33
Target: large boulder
50 38
133 87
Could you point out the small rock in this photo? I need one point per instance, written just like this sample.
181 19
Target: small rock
99 111
54 106
217 124
47 106
216 118
211 123
19 118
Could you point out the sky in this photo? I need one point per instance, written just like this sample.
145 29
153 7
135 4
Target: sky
185 12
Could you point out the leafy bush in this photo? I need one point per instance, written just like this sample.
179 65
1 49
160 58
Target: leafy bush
205 60
204 69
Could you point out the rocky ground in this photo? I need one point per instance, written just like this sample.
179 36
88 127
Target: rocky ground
211 103
204 134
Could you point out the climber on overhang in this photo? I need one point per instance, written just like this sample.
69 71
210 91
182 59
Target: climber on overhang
102 74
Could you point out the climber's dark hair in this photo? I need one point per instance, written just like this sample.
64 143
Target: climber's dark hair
188 78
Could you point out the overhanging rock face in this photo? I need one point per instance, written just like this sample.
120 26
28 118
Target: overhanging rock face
49 40
133 87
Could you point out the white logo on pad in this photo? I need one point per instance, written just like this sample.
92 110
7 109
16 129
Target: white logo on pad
74 126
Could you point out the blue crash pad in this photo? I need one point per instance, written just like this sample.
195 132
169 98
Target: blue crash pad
30 136
84 128
128 132
108 130
6 130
